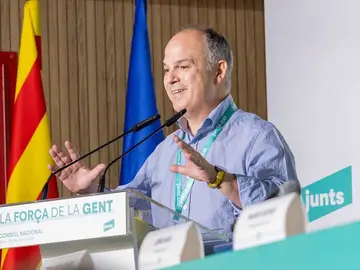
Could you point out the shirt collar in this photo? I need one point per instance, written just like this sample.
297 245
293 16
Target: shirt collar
210 121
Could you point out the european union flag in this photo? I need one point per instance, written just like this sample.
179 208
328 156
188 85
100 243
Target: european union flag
140 99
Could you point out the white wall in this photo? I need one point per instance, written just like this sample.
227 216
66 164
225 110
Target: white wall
313 88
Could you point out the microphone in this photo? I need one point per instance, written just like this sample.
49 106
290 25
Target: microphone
167 123
137 127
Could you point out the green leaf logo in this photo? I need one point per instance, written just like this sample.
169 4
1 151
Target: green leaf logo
109 225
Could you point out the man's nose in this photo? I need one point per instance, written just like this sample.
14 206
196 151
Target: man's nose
172 77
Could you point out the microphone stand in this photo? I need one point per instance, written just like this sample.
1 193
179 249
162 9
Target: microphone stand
135 128
167 123
102 179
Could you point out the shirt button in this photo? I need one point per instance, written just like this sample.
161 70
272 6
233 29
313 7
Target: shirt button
185 207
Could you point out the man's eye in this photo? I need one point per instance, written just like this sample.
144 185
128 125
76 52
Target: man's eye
184 67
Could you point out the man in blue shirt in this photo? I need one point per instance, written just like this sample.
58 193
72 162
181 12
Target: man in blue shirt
220 160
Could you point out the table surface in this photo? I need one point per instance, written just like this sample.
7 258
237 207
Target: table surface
334 248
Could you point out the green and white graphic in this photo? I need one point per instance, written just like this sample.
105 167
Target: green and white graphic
109 225
328 194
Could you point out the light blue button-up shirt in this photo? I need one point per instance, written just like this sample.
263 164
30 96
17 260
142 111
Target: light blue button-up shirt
249 147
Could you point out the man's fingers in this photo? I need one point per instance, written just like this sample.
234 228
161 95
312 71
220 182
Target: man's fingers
51 168
72 151
60 175
97 170
176 138
61 159
178 169
183 146
53 153
65 158
196 158
189 156
190 153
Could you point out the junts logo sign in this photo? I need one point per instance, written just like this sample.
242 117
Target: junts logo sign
328 194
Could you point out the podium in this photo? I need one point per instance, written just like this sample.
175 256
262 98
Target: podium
105 228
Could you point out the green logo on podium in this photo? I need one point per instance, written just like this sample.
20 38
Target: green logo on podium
328 194
109 225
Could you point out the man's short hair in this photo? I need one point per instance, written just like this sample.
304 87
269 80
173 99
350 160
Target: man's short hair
218 49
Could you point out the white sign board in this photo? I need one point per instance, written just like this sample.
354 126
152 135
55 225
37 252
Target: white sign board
272 220
63 220
313 82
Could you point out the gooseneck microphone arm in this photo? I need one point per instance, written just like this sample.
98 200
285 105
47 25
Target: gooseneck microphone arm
167 123
135 128
101 186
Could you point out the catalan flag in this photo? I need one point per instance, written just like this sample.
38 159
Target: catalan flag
30 136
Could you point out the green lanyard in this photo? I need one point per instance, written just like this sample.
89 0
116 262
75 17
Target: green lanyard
181 196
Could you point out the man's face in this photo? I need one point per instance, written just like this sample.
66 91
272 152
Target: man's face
187 81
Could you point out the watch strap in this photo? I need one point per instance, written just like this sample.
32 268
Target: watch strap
219 178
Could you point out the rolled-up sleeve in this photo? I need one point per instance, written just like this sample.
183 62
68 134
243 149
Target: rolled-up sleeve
269 163
142 180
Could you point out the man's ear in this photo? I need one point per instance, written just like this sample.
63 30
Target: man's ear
220 72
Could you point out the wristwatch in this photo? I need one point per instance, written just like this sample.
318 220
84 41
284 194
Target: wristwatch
219 178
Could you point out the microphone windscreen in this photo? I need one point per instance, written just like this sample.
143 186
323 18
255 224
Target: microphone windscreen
174 118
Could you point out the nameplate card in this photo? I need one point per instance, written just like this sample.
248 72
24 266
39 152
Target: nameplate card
74 261
171 246
51 221
270 221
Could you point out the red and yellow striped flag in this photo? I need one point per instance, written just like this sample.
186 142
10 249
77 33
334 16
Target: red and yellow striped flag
30 136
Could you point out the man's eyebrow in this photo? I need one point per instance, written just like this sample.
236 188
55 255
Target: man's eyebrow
181 60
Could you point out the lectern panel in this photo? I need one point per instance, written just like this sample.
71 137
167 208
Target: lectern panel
54 221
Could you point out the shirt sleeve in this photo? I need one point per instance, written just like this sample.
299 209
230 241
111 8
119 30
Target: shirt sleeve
143 179
269 163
